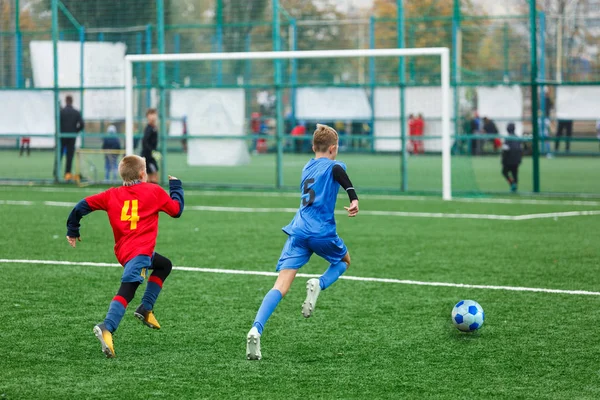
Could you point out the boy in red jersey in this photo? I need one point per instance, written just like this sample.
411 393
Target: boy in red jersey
133 215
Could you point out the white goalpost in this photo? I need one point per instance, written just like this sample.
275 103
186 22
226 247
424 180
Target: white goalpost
442 52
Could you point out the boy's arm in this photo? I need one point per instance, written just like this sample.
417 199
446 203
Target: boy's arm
173 204
341 177
83 208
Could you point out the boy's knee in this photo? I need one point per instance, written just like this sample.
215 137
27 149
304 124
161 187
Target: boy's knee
161 266
127 290
347 260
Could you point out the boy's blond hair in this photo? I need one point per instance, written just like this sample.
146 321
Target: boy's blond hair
131 168
324 137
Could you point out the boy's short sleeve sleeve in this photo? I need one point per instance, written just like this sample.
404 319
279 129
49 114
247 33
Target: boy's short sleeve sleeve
98 201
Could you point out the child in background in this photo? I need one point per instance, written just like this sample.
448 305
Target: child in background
111 158
511 158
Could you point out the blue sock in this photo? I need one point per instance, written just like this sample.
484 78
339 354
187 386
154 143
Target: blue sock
153 289
115 313
266 309
332 274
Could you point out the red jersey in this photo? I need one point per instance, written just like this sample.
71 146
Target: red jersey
133 215
419 127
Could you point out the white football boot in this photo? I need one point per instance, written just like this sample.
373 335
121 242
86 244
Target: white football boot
313 288
253 345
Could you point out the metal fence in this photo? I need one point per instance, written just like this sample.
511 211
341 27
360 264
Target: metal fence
486 51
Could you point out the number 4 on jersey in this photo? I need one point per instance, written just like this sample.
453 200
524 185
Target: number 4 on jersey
133 218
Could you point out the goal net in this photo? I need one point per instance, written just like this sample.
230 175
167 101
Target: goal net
246 119
93 166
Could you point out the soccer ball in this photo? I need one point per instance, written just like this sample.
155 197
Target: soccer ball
467 315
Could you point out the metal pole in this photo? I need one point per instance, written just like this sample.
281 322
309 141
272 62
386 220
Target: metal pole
138 74
534 97
559 48
148 67
18 49
278 93
542 77
219 40
402 76
160 30
456 61
506 52
55 36
372 78
177 49
81 75
128 107
294 68
446 160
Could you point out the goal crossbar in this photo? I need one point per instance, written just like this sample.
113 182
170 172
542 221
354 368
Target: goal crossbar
442 52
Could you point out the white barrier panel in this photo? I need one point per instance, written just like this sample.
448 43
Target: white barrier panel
28 112
212 112
418 100
103 66
578 102
503 104
332 104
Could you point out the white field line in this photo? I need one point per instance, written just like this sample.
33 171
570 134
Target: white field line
345 277
234 193
405 214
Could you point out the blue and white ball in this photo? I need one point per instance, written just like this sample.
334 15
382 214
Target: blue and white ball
467 315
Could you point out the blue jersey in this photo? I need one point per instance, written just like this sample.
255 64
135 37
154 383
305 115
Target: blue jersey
319 194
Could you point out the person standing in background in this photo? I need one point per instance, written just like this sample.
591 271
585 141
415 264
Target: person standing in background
25 142
475 130
419 131
490 128
111 157
564 126
512 153
70 123
412 132
150 144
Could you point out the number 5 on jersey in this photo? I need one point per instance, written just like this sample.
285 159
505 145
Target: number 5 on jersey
308 196
133 218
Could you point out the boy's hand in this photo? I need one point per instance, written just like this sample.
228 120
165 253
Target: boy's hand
353 209
172 178
73 241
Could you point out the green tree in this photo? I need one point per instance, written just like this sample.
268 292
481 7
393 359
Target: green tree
107 13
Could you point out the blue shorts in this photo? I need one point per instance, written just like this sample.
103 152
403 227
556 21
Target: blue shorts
297 251
135 270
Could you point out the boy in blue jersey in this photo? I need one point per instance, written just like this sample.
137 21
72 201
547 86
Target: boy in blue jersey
311 231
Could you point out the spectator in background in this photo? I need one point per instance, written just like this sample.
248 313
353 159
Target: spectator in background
150 145
548 104
70 123
25 142
511 158
412 132
255 128
184 134
111 157
475 130
297 133
564 126
419 131
490 128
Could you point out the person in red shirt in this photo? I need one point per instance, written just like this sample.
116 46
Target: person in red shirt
419 128
412 132
133 215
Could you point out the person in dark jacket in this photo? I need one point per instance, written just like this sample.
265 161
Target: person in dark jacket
511 158
111 157
150 144
70 123
490 128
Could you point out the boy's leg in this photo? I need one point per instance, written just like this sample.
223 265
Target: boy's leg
294 255
130 281
336 253
161 268
505 171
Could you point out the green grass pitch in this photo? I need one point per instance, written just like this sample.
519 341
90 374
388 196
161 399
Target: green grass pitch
365 340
